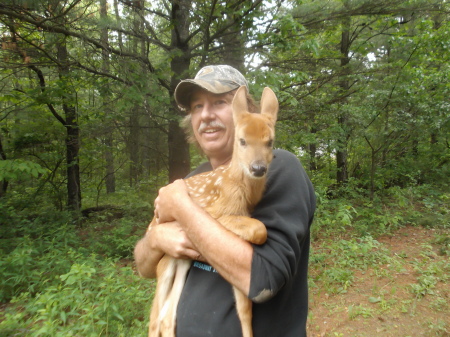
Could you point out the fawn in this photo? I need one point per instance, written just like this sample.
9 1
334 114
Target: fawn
228 193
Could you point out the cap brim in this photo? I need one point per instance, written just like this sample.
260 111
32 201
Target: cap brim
185 88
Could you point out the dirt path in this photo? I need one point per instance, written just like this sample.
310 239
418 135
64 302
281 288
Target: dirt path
407 296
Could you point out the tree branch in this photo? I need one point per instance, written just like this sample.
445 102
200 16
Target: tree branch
58 29
41 78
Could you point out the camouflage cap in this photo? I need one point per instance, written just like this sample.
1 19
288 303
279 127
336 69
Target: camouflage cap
217 79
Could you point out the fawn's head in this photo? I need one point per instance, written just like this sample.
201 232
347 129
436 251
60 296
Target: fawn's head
254 133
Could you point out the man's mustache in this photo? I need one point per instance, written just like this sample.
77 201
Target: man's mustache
210 125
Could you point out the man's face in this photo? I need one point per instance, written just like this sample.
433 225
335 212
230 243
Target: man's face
212 122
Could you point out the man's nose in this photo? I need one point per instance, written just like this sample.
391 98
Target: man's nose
207 112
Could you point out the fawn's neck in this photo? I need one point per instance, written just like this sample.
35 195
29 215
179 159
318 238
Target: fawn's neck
216 162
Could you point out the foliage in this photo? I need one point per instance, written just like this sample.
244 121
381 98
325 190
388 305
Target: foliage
93 298
19 169
52 275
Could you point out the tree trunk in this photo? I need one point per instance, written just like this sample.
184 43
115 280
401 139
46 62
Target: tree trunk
343 120
179 159
4 182
72 136
134 148
118 20
133 145
312 150
73 167
109 158
233 42
342 152
372 174
110 180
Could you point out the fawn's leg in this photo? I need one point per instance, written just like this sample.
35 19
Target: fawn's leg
169 309
153 328
249 229
165 277
244 310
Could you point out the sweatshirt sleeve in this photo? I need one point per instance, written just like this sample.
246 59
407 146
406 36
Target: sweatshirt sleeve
286 209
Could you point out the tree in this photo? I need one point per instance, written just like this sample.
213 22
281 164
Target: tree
110 175
179 163
70 119
71 123
328 60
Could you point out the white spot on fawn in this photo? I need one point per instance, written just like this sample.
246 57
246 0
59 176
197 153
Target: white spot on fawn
218 181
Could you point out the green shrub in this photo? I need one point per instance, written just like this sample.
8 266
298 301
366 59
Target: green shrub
94 298
30 268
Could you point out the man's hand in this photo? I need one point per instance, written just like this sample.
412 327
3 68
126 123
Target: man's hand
172 240
168 200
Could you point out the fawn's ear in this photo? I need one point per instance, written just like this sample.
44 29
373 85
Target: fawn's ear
269 104
239 104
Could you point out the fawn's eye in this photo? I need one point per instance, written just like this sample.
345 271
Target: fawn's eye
270 143
242 142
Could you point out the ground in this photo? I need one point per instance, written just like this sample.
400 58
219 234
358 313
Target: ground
405 293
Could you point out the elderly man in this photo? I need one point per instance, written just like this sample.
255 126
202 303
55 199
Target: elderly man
273 275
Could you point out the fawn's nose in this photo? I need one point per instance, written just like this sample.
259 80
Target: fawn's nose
258 169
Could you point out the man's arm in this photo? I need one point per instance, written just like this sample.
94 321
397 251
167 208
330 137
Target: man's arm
147 256
230 255
287 210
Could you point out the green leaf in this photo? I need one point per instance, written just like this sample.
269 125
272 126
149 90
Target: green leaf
374 299
20 169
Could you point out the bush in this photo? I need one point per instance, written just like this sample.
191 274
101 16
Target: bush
63 280
94 298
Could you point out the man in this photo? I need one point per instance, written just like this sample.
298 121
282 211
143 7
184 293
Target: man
273 275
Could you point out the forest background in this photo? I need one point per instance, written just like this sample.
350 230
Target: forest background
89 131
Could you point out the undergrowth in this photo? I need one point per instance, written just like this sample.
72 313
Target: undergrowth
60 278
345 232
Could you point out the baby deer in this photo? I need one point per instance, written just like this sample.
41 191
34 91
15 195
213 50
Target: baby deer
228 194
